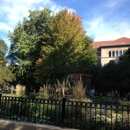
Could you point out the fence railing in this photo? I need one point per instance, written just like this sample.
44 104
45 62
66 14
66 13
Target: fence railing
64 113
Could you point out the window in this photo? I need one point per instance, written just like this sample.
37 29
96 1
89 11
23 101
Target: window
116 53
113 53
120 53
109 53
99 56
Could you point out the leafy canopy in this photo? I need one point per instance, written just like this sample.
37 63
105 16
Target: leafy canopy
66 48
5 74
115 76
26 42
3 51
47 47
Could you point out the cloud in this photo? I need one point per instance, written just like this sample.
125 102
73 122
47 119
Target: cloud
109 21
5 27
101 30
14 11
103 22
113 3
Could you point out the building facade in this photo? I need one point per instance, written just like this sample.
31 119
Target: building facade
110 50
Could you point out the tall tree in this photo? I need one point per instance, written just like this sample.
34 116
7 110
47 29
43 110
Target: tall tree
124 66
26 42
107 78
3 51
115 76
5 74
125 57
66 48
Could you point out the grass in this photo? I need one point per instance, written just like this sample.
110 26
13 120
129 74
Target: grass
105 100
109 101
8 94
124 102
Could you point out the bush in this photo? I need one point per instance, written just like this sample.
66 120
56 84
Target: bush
79 91
104 100
113 119
20 90
39 95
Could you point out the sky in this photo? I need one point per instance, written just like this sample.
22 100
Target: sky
102 19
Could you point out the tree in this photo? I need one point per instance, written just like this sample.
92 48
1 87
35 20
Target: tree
115 76
124 66
26 42
5 74
66 49
125 57
3 51
107 79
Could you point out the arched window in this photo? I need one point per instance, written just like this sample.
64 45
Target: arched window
116 53
113 53
109 53
120 53
99 56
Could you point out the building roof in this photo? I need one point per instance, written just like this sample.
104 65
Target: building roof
120 41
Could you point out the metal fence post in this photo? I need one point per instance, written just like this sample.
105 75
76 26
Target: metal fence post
0 98
63 113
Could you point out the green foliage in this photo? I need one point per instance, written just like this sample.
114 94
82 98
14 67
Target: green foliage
115 76
105 100
125 57
43 92
33 96
39 95
47 47
6 76
107 77
20 91
61 88
3 51
66 49
26 42
79 91
94 71
112 120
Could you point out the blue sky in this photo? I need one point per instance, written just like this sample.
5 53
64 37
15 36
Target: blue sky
102 19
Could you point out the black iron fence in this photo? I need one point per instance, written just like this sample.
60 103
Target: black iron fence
64 113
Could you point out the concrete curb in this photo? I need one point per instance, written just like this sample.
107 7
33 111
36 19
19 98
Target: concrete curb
15 125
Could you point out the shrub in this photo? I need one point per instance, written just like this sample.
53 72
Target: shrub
79 91
20 90
113 119
39 95
61 88
44 91
105 100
